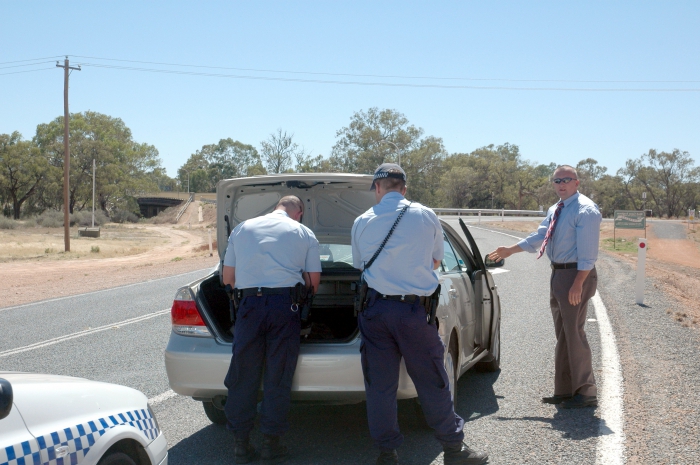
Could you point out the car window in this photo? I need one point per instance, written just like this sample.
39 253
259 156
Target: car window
336 256
464 263
450 262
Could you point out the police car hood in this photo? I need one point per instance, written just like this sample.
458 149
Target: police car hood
332 201
50 402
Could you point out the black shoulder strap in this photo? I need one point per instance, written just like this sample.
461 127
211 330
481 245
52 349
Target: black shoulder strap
391 231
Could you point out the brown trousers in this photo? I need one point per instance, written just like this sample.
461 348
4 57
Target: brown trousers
572 358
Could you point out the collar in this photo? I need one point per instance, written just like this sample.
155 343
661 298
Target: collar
280 212
392 196
571 199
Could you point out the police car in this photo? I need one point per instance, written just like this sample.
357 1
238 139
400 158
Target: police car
328 370
56 420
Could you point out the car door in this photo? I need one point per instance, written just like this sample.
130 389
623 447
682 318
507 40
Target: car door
488 303
461 292
16 441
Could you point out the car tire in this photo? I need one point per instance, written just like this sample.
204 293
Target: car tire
217 416
116 458
492 363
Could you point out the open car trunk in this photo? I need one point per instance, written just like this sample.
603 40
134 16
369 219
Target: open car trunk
332 317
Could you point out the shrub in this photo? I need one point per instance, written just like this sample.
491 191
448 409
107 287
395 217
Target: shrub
7 223
50 219
84 218
123 216
95 249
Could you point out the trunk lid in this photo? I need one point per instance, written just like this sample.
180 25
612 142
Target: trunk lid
332 202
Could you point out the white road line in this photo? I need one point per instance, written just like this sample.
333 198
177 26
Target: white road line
86 332
497 232
103 290
169 394
611 435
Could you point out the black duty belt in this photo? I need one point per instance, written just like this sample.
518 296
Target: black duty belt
409 299
564 266
260 291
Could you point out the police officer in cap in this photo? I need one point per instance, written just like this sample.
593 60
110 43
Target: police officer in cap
264 262
393 323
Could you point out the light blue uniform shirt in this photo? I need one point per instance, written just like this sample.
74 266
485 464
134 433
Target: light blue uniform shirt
405 265
576 234
272 251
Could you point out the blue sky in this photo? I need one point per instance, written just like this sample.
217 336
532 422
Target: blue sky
513 44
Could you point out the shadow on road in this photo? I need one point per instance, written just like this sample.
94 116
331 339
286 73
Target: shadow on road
575 424
338 434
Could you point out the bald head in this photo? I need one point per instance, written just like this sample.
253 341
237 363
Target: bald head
292 205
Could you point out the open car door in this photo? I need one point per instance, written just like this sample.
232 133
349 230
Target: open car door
488 302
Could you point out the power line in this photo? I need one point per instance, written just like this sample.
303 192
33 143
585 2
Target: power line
27 71
28 64
382 84
33 59
396 76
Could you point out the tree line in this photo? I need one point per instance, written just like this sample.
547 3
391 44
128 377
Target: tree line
494 176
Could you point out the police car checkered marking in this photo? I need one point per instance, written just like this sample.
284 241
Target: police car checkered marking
78 439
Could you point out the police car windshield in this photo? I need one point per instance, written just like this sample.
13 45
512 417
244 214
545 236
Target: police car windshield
335 256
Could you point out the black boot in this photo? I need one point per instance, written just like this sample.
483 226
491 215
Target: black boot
388 457
272 451
459 454
244 452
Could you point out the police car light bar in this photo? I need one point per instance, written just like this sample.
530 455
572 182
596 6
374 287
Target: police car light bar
185 316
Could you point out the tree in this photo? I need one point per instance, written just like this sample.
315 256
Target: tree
124 166
22 169
666 177
372 138
213 162
279 150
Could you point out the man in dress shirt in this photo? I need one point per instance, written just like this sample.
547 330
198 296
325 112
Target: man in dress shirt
570 236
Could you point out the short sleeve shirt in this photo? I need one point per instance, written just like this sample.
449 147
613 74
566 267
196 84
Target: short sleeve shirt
272 251
405 265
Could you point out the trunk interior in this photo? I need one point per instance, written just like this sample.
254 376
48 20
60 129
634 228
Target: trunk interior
332 316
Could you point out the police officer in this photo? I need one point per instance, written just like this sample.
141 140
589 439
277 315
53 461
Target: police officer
264 262
393 323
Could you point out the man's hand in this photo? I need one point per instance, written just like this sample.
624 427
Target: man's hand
504 252
577 288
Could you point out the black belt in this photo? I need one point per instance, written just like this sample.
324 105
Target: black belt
564 266
260 291
409 299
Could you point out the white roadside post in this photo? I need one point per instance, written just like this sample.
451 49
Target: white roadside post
479 216
211 252
641 259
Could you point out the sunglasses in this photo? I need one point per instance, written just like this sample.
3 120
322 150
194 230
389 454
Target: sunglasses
563 180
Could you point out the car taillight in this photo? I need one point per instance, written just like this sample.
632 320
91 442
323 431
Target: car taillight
185 316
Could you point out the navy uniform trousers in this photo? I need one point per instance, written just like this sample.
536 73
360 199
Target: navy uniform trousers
266 335
391 330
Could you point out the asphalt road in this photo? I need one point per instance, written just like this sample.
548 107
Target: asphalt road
118 336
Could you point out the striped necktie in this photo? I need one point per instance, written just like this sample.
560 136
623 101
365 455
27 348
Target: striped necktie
550 230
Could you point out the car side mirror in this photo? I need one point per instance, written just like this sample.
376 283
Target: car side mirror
492 264
5 398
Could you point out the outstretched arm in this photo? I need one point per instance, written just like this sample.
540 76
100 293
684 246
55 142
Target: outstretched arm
505 252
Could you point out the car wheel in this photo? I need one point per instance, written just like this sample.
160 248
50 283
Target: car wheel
116 458
217 416
493 362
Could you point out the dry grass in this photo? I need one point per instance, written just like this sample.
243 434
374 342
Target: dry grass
47 243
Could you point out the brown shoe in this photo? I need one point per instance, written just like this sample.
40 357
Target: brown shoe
555 399
580 401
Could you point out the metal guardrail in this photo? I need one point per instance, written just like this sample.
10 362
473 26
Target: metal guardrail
488 211
184 208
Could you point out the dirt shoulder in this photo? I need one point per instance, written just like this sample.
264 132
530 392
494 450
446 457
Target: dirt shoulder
136 254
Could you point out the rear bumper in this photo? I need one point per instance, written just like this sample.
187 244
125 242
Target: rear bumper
330 373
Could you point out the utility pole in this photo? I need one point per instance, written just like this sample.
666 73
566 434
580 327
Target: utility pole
66 154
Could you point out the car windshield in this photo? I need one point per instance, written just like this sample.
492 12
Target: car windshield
335 256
